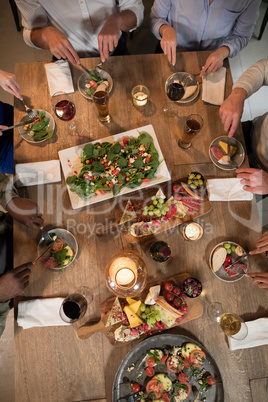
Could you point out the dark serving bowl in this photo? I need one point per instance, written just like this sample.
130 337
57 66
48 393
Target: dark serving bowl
192 287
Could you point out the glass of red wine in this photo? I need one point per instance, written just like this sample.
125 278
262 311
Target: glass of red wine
64 109
160 251
75 305
175 91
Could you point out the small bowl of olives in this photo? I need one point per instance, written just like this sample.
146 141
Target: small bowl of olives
195 180
192 287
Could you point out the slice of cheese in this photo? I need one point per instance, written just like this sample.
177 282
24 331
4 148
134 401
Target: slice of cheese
224 147
133 319
181 209
116 315
160 194
130 300
189 91
128 214
154 291
135 307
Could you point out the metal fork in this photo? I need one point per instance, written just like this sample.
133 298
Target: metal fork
46 236
29 111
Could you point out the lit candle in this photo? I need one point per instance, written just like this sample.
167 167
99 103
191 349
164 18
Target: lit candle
140 95
124 271
193 231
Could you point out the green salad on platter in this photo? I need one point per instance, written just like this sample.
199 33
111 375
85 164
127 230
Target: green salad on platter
110 166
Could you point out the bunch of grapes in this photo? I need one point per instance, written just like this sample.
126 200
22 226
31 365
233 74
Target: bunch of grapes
157 209
150 314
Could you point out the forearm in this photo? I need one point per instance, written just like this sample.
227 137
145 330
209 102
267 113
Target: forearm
125 20
39 36
254 77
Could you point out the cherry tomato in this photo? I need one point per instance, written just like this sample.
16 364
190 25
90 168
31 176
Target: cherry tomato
170 297
125 140
174 364
135 387
93 84
163 359
177 302
165 397
169 286
197 358
210 379
145 180
149 371
150 362
184 309
176 188
176 290
182 377
115 172
102 191
154 385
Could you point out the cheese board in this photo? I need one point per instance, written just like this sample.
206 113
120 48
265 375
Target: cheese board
189 205
195 310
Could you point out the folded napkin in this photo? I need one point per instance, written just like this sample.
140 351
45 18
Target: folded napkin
31 174
214 87
227 190
257 335
40 313
59 77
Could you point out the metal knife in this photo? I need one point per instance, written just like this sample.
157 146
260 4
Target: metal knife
235 261
17 125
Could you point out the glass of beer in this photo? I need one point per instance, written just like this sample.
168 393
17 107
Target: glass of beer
231 324
193 125
101 100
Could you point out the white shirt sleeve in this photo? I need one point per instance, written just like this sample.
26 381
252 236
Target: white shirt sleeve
254 77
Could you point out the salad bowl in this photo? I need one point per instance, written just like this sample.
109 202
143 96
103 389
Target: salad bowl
25 134
85 79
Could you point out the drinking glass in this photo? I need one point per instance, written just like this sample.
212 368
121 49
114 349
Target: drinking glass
231 324
193 125
175 91
63 107
140 94
101 100
75 305
160 251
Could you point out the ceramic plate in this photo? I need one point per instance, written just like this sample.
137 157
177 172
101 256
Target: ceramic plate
238 157
184 78
71 164
123 393
221 273
26 136
84 79
68 240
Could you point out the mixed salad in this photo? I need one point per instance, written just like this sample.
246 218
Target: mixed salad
39 128
93 82
110 166
60 253
172 374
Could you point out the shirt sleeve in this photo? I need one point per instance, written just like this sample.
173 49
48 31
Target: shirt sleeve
159 15
136 6
33 16
243 29
7 190
254 77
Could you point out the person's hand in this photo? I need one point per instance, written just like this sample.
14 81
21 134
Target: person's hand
14 282
59 45
168 42
2 128
26 212
262 244
109 35
215 60
10 84
254 180
232 109
260 278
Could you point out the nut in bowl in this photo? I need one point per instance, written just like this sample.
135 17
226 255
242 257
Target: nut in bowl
62 252
192 287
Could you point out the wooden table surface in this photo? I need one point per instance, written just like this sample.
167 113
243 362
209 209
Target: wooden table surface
52 364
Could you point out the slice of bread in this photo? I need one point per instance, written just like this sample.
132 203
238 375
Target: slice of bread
189 91
218 258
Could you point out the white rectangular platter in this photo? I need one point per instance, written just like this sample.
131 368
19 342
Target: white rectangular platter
71 163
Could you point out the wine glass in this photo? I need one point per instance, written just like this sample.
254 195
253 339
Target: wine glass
175 91
160 251
231 324
75 305
63 107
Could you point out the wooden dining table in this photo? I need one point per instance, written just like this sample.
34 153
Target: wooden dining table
51 362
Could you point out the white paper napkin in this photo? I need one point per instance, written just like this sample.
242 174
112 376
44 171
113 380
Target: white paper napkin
40 313
257 335
214 87
31 174
59 77
227 190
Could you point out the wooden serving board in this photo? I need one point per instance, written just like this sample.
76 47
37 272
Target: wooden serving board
195 310
205 208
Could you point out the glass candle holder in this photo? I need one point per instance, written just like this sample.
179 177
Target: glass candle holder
140 95
126 274
192 231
